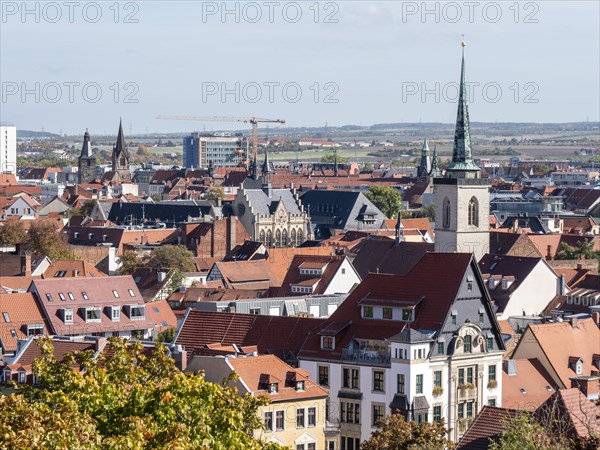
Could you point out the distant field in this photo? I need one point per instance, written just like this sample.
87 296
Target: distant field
160 150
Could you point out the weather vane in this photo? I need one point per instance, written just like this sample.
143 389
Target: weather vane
463 43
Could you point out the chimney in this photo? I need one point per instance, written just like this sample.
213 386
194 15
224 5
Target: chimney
232 232
596 318
589 386
549 253
26 264
180 357
573 321
562 286
510 365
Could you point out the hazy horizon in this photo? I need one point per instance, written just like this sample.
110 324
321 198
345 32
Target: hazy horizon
356 63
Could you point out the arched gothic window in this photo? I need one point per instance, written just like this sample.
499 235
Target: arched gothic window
278 238
284 238
473 212
262 236
293 237
446 213
269 240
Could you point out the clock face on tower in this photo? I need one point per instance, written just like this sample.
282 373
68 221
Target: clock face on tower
241 209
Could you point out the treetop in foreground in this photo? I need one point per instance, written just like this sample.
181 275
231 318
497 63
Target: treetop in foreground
129 397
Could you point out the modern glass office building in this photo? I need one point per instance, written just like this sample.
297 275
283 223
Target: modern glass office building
200 150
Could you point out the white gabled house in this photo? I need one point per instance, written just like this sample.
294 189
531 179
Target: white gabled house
426 345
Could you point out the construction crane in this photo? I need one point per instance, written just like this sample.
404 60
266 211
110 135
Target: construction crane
254 121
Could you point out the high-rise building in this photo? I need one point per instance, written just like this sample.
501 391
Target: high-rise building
86 163
8 149
204 150
462 197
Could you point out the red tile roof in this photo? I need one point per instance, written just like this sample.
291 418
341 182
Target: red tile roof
489 424
570 407
434 298
20 310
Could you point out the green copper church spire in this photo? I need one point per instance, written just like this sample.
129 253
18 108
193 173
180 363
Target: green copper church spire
462 165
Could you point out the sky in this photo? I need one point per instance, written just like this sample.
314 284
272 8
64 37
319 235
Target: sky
68 66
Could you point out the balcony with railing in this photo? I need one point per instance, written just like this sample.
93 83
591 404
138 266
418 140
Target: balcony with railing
331 428
368 352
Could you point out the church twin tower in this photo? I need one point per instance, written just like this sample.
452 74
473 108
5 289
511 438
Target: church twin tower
462 197
120 161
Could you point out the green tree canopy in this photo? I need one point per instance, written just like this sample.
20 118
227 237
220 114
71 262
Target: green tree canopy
125 399
386 198
12 232
395 433
46 240
330 158
174 257
215 193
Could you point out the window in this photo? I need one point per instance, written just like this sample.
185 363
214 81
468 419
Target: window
470 375
350 378
327 342
269 421
137 312
400 382
446 213
71 296
324 375
92 315
273 388
469 409
35 329
492 373
490 343
116 294
367 311
6 317
419 384
85 295
387 312
131 293
453 318
441 348
349 412
378 383
255 311
68 315
473 212
49 297
468 344
300 418
461 376
378 413
279 420
311 446
492 402
62 296
437 413
461 410
115 313
407 314
22 377
437 378
469 286
312 416
480 317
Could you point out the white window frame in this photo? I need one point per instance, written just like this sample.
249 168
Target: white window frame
68 315
94 309
115 313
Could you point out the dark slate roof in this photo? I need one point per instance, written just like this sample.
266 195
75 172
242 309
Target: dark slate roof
432 299
341 209
279 335
262 203
246 252
383 255
518 267
525 221
121 213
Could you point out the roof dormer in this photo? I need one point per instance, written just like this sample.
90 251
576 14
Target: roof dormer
576 364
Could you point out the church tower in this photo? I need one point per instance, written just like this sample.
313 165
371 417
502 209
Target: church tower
120 158
462 197
86 163
425 165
